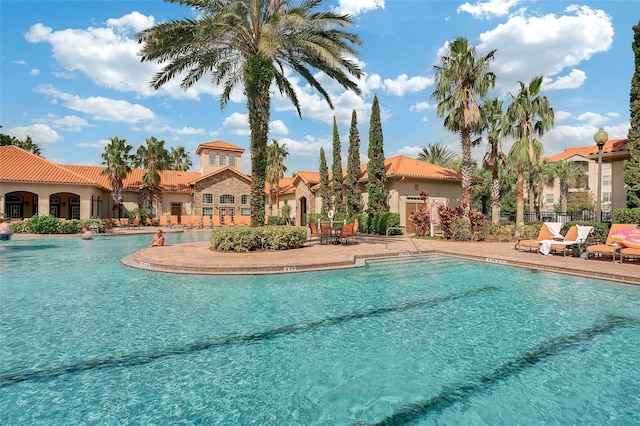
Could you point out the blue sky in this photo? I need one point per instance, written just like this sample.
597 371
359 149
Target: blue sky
70 77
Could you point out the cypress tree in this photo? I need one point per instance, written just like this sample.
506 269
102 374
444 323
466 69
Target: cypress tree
632 165
353 169
325 193
376 174
336 171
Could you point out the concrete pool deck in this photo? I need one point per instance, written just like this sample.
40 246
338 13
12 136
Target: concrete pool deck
197 258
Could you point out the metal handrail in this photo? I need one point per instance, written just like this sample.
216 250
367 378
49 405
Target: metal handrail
401 229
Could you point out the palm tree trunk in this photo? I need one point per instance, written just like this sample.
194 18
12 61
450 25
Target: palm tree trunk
258 76
495 198
466 169
520 198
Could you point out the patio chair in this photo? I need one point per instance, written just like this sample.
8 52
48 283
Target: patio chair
164 221
313 232
548 231
610 247
325 232
206 221
576 235
347 232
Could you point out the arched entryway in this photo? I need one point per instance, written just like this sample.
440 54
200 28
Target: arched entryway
20 204
301 211
65 205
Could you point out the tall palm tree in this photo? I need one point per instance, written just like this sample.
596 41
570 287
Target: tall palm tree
529 115
117 159
179 159
460 81
437 154
254 43
154 158
276 154
494 160
542 174
569 175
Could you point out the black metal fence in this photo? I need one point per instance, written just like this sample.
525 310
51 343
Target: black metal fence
605 216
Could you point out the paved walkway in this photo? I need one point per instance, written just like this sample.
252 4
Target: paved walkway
198 258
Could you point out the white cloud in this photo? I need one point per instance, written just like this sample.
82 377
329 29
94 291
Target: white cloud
488 9
100 108
308 146
237 124
39 133
34 71
108 56
403 84
561 115
562 137
593 118
277 127
69 123
546 45
574 80
421 106
355 7
409 151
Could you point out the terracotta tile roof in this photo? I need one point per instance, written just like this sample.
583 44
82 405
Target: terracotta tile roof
170 180
401 165
221 145
611 146
18 165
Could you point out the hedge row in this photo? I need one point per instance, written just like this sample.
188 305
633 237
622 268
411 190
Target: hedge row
245 238
52 225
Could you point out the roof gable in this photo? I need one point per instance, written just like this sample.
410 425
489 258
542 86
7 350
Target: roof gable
217 172
611 146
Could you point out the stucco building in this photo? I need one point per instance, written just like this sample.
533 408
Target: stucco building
32 185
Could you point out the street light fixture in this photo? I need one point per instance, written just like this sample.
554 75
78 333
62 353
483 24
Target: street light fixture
600 138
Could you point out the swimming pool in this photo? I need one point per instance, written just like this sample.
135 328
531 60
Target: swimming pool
435 340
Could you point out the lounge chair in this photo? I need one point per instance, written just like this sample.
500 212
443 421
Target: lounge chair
164 221
576 235
206 221
610 247
548 231
629 253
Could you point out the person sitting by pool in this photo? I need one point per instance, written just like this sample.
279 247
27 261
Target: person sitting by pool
158 239
5 230
86 233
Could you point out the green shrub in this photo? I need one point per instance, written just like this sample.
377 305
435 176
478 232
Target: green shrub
43 224
599 233
529 230
20 226
69 226
627 215
381 221
245 238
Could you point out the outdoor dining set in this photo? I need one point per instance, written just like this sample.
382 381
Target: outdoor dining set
334 233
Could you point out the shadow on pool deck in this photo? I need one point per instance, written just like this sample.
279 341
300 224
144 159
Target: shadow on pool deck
198 258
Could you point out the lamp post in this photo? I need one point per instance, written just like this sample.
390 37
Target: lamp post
600 138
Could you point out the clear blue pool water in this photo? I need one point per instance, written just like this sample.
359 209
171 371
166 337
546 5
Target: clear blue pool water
416 341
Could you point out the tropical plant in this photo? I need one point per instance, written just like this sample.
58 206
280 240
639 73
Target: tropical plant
276 154
336 171
541 175
154 158
179 159
494 159
117 159
325 190
254 43
632 164
376 173
569 175
528 115
437 154
460 81
352 198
